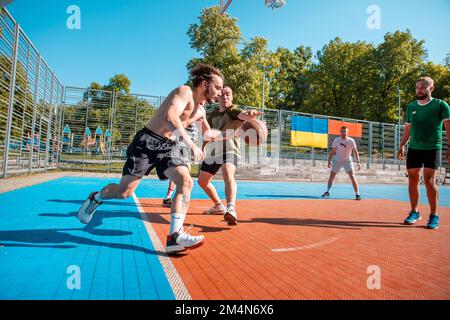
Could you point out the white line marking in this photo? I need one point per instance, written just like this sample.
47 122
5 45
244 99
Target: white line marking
308 246
179 289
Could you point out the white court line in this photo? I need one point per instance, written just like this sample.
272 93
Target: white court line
308 246
179 289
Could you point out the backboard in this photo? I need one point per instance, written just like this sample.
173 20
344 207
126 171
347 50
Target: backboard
274 4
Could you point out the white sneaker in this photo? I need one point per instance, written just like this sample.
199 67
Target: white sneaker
88 208
182 241
231 216
218 209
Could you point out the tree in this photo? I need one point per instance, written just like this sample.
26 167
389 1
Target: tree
396 60
338 81
348 79
216 38
441 76
289 87
118 83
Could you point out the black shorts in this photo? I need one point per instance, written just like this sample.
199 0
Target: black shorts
213 165
149 150
423 158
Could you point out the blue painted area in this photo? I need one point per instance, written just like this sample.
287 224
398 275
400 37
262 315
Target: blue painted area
295 190
40 237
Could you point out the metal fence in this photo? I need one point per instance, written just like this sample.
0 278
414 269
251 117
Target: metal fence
99 125
30 100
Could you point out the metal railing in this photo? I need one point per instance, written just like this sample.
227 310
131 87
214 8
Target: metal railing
30 100
99 125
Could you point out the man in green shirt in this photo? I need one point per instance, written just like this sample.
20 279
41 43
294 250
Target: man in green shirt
423 128
224 155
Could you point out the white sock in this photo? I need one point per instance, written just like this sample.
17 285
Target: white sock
98 197
176 222
169 194
231 204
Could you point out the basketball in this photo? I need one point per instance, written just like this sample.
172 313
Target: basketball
255 132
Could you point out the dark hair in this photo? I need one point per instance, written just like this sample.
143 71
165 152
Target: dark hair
344 127
227 86
204 72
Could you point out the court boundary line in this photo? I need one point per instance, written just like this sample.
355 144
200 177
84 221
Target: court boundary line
308 246
176 283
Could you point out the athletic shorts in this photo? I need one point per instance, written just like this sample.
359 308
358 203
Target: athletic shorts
346 164
423 158
213 165
149 150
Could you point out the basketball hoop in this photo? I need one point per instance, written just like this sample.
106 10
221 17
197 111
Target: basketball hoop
275 4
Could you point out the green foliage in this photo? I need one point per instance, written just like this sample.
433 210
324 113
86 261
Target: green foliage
346 79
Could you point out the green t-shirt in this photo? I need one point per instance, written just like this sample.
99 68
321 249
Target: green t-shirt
426 124
223 121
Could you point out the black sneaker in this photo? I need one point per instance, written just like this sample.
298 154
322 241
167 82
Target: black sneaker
326 195
358 197
167 203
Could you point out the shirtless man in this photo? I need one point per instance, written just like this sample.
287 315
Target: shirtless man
158 145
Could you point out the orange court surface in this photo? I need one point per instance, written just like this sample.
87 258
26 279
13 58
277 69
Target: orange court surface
311 249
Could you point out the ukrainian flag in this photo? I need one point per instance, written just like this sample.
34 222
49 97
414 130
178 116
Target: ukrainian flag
309 132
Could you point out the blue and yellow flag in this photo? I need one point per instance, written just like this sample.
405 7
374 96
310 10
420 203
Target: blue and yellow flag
309 132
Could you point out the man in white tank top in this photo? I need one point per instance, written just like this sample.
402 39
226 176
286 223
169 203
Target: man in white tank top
341 157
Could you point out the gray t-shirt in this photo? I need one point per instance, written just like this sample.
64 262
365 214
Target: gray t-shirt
343 148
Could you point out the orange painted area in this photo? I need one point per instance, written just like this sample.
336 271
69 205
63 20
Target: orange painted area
354 129
312 249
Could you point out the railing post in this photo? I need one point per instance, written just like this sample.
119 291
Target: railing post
280 132
370 144
61 119
312 149
49 124
33 124
25 103
111 126
11 100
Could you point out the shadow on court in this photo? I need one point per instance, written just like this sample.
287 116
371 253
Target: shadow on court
97 220
280 196
106 202
350 225
54 238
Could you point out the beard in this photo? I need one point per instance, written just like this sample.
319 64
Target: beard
421 96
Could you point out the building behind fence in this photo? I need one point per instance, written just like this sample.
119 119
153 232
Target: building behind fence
44 125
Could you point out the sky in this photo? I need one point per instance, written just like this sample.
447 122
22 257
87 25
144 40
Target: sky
147 39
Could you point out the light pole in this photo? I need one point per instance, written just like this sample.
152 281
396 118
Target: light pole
399 115
399 110
264 70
